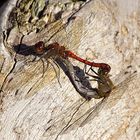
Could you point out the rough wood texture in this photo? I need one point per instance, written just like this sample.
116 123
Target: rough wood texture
37 108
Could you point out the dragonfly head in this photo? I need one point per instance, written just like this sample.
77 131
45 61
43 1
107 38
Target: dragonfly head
39 47
105 68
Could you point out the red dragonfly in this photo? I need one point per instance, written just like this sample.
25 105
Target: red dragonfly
55 50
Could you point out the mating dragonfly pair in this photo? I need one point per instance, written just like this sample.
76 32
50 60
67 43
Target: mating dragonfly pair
81 83
60 55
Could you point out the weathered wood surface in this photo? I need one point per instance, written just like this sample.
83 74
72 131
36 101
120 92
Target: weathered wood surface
37 108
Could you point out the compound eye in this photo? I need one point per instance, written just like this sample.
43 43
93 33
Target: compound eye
106 68
39 47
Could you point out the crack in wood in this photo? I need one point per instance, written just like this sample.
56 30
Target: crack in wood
1 89
2 65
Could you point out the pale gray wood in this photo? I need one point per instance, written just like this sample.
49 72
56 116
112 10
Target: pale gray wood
36 108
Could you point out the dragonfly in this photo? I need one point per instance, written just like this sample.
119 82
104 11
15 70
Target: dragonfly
55 51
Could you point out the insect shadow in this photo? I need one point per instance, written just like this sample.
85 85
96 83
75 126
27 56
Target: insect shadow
76 76
24 50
